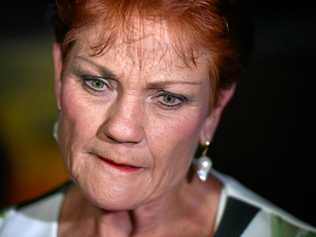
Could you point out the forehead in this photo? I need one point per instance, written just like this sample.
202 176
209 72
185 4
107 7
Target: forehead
145 47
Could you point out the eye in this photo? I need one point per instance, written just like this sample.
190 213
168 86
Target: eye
95 83
171 100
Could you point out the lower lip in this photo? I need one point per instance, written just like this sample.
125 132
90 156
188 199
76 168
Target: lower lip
124 168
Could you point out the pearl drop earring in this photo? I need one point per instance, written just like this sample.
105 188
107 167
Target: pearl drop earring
204 163
55 131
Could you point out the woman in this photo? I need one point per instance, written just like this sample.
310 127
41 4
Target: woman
139 85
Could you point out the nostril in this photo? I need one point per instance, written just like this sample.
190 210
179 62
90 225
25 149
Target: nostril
124 122
122 131
113 139
121 140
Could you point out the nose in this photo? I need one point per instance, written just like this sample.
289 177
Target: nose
124 123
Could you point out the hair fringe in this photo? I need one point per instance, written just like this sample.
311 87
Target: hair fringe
191 24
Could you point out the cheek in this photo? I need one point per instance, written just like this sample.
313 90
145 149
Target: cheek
79 122
173 142
79 112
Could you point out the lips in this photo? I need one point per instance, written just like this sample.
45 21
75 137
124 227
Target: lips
128 168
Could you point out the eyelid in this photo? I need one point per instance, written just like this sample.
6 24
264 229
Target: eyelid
179 96
87 78
82 63
84 73
183 99
91 77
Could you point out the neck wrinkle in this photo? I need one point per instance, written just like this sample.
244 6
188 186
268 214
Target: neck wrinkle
154 217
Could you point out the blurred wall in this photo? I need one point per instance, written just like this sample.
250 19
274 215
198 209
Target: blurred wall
30 161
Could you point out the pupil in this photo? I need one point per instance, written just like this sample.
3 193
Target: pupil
98 84
169 98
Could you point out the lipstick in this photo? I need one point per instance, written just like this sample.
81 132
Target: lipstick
122 167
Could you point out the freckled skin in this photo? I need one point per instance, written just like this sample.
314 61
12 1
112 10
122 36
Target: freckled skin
128 124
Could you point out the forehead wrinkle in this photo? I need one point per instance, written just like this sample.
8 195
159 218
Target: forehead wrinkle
155 60
149 51
148 45
147 42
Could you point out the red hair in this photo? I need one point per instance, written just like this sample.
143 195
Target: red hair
192 24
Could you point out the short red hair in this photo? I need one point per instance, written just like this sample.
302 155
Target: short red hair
193 23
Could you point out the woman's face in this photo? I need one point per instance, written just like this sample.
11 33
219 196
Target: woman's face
130 119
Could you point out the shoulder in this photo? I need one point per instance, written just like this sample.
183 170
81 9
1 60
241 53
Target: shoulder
35 218
264 218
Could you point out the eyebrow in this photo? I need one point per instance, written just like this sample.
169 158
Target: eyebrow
102 69
106 72
161 84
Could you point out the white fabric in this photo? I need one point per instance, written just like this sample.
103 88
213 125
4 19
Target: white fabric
260 226
221 207
39 220
235 189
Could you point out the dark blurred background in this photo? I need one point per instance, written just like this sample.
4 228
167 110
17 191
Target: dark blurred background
266 139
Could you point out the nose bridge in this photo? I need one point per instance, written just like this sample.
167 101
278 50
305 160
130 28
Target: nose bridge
125 119
127 107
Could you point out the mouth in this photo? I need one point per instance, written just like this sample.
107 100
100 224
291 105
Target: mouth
127 168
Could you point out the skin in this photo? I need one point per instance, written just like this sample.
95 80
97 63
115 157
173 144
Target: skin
148 110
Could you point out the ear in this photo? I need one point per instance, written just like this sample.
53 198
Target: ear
211 122
58 67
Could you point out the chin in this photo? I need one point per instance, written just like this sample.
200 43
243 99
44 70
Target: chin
111 199
107 187
110 193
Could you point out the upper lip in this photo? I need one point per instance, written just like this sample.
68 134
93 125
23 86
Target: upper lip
106 158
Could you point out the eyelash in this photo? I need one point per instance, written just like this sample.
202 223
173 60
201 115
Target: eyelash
87 80
164 94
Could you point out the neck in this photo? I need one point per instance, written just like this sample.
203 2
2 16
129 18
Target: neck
155 218
157 215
